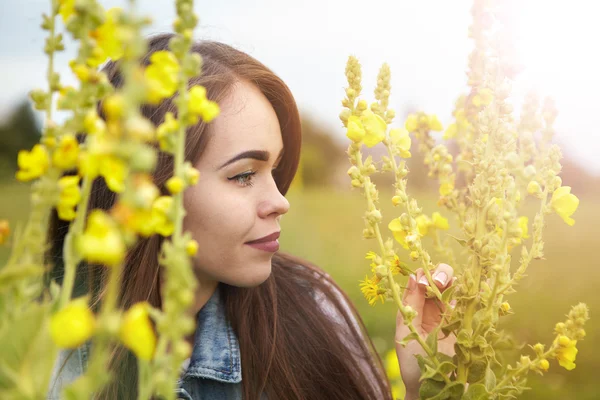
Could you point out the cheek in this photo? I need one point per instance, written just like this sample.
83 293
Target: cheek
217 218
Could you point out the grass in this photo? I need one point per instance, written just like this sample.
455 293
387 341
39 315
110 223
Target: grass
324 226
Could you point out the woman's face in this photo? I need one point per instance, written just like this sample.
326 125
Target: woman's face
236 200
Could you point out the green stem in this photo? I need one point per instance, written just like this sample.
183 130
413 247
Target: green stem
70 254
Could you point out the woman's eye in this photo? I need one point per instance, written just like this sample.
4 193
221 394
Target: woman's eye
244 179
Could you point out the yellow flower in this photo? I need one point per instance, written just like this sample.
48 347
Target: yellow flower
423 224
4 230
564 203
451 131
101 242
136 331
446 188
355 131
192 175
66 8
422 121
73 325
434 123
114 171
165 132
191 247
93 124
401 139
32 164
392 366
161 215
371 290
69 197
162 76
439 222
483 98
523 224
200 106
375 128
399 233
412 123
65 156
567 352
175 184
108 39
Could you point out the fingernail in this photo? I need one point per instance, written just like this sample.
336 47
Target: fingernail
412 282
423 281
453 303
441 277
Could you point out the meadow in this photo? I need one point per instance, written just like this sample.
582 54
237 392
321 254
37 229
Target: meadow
324 226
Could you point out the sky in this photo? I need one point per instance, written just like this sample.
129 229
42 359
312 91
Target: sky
307 43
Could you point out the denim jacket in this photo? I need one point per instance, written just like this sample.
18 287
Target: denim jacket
214 369
212 372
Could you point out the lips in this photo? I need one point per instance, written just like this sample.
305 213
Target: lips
269 238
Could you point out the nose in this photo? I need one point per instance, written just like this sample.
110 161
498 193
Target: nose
273 203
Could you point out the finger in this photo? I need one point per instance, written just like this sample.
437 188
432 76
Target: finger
415 297
443 276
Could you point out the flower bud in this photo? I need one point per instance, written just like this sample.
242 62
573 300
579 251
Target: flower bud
414 255
381 271
362 105
191 247
529 172
175 184
356 183
544 365
344 115
396 200
538 348
580 334
525 361
559 327
534 188
368 233
557 182
564 341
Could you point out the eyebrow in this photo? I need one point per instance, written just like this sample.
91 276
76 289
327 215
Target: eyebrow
260 155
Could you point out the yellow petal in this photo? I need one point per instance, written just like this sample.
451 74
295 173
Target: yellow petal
355 131
434 123
136 331
73 325
375 128
564 203
411 123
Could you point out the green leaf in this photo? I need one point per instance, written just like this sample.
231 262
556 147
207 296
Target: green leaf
462 242
408 338
432 339
447 294
451 326
16 273
490 379
476 371
423 362
430 388
452 391
438 373
476 391
27 352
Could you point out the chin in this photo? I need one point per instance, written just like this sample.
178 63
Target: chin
252 276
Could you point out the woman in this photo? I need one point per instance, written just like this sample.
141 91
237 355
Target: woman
277 321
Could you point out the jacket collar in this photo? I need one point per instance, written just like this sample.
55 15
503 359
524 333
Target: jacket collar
216 353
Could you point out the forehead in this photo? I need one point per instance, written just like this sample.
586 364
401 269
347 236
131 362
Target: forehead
247 122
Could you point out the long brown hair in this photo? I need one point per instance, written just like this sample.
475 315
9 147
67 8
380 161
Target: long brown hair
290 347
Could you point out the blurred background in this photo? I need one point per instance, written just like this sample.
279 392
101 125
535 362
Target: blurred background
426 44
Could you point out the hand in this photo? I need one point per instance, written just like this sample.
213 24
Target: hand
428 318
